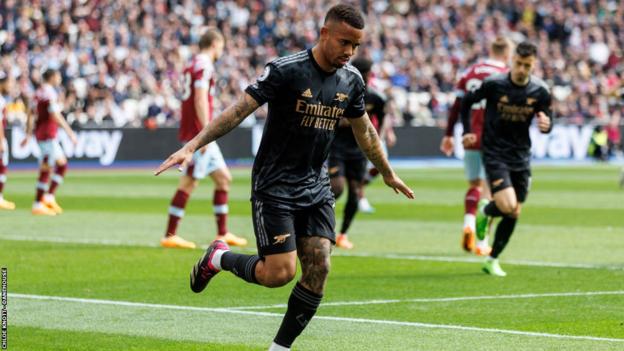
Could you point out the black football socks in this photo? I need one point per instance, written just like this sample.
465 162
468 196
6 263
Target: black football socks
302 306
243 266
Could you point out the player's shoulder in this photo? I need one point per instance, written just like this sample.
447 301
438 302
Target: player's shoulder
352 73
376 93
286 62
498 78
540 83
202 63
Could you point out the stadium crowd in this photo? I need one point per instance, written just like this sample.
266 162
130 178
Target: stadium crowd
121 60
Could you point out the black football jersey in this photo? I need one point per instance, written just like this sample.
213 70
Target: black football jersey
305 104
509 110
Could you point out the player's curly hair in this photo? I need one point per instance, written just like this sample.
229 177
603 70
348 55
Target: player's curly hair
345 13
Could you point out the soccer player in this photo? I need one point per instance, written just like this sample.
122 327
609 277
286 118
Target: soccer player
471 79
4 146
292 204
347 163
49 117
513 100
197 110
376 106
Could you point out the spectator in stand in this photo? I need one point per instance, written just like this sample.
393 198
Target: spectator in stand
134 51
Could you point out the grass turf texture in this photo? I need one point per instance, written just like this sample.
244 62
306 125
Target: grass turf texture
103 248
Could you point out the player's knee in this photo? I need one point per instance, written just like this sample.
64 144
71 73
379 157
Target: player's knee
507 208
337 189
476 184
516 212
281 276
223 181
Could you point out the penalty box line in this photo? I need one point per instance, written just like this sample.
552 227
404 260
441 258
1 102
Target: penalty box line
326 318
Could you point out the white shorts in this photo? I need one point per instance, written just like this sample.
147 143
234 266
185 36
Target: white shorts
205 163
4 156
473 165
50 151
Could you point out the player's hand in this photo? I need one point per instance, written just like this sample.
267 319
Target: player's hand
181 158
26 140
1 144
543 122
447 145
469 139
391 138
73 138
398 186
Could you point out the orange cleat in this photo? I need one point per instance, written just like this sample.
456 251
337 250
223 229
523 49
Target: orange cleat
6 205
343 242
175 241
232 239
41 210
468 239
483 250
52 205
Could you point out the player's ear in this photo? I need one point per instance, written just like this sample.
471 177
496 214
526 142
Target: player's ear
324 32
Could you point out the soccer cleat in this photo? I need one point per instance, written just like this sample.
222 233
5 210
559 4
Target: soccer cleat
175 241
204 270
492 267
364 206
232 239
6 205
482 220
41 210
343 242
468 239
482 250
52 205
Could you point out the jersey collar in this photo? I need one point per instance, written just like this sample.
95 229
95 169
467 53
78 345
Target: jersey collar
318 67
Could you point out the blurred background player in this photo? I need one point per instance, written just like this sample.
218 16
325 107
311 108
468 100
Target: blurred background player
48 118
376 108
347 163
513 100
197 110
4 146
471 79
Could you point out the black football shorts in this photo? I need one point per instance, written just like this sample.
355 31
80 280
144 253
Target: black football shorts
277 228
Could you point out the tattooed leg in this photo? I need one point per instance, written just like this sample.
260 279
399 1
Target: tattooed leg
307 294
314 254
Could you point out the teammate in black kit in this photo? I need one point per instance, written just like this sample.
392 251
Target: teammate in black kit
512 101
293 207
347 163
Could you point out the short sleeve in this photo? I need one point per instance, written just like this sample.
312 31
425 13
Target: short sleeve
268 86
357 104
202 81
544 104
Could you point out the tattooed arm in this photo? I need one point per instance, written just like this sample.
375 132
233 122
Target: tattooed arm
369 142
228 120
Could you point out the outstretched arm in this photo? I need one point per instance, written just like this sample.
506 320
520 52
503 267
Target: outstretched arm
228 120
369 142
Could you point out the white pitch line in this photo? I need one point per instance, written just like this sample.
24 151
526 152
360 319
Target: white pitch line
441 299
390 256
328 318
479 260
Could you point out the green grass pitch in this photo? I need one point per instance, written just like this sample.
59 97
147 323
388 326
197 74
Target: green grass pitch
95 278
